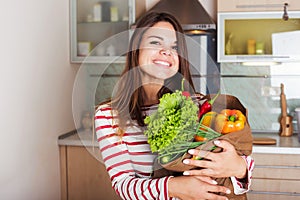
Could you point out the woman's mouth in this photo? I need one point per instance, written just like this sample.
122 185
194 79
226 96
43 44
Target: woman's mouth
163 63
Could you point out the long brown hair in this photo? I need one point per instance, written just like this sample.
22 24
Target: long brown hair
129 95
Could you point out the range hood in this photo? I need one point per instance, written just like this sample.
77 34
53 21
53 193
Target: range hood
190 13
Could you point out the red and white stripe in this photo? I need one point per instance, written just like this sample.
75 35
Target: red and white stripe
128 159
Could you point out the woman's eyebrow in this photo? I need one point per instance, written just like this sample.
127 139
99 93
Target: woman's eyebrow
160 38
154 36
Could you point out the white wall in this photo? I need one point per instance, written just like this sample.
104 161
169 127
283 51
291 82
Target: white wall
36 89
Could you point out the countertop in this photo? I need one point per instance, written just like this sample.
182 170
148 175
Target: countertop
284 145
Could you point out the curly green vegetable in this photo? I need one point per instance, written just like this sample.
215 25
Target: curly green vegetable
166 127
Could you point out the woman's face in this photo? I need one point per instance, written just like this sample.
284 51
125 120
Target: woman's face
158 58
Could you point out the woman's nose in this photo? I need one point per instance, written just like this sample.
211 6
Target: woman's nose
166 52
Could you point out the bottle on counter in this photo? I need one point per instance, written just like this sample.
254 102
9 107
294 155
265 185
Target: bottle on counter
86 121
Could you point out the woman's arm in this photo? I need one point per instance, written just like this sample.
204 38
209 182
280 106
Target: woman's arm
242 185
128 161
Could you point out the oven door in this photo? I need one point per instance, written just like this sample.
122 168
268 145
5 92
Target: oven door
205 70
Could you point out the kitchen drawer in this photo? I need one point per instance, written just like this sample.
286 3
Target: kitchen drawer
276 159
257 5
283 172
273 185
254 196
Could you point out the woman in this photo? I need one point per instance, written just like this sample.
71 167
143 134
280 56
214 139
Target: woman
156 63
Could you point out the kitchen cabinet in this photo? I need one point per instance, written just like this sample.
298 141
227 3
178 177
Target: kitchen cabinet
83 176
250 31
276 173
275 177
94 21
257 5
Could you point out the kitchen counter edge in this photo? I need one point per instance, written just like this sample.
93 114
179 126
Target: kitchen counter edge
284 145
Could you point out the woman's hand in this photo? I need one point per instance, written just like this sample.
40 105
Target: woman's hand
223 164
195 187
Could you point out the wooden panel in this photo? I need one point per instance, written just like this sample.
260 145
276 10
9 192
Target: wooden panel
63 172
277 173
256 5
276 159
252 196
87 177
269 185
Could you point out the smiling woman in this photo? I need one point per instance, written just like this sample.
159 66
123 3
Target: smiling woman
155 65
158 52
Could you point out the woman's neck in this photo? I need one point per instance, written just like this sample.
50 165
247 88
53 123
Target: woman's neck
151 91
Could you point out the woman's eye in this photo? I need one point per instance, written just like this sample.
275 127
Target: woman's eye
175 48
155 42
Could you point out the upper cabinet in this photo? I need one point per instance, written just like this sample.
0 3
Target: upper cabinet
93 22
259 30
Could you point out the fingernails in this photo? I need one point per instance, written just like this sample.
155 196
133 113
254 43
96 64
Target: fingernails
228 191
186 161
214 182
217 142
191 151
186 173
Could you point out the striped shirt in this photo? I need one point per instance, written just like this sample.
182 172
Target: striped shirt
129 160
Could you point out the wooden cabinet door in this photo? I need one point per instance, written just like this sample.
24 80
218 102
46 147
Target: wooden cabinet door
275 177
87 178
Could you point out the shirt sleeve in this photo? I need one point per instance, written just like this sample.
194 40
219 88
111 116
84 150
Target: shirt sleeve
119 166
242 186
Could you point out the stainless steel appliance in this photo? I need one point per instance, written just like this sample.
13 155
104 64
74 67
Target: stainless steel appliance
201 35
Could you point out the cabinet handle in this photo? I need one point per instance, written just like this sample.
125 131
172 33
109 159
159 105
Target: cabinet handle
285 15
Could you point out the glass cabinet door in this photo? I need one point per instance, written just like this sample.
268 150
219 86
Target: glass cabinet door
258 36
93 22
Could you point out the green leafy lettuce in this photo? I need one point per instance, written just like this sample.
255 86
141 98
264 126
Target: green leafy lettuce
170 127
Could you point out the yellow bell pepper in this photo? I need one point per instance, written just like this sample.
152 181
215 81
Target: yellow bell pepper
228 121
207 120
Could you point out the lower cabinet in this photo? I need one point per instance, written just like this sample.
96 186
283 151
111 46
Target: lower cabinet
83 177
275 177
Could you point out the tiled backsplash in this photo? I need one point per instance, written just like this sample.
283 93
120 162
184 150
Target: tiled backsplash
257 87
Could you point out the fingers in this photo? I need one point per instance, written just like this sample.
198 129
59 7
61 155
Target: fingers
201 154
202 172
224 144
209 155
218 189
207 179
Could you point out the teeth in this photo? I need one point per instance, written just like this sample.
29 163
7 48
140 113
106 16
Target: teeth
161 62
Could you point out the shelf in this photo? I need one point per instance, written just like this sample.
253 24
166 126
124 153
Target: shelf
104 23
